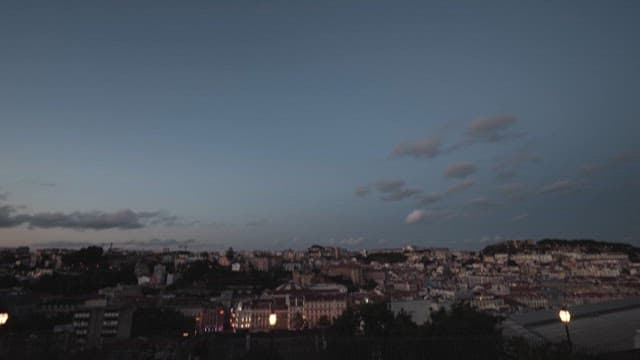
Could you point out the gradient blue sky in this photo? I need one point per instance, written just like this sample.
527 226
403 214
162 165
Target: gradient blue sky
275 124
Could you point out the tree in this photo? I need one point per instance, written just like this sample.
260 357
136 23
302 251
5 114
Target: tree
373 320
160 322
463 320
403 325
230 254
85 258
346 324
196 271
324 322
377 319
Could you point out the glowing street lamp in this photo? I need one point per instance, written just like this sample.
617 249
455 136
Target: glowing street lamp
273 319
4 317
565 318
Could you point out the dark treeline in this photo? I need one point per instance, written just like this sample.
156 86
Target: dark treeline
214 277
152 321
372 331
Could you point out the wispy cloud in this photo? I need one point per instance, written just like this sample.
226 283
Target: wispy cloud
460 187
460 170
593 169
157 243
506 175
515 190
351 242
11 216
618 160
401 194
509 166
421 215
627 156
154 243
257 223
482 204
426 148
560 186
428 199
491 128
391 190
389 186
362 191
415 217
520 217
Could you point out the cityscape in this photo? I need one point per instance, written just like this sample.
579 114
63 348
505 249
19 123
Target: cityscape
105 297
319 179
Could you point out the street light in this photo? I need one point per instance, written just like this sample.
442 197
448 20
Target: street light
565 318
273 319
4 317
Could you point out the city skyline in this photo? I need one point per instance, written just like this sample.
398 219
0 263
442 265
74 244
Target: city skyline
285 124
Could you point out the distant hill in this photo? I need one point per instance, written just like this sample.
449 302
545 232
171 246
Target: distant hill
584 245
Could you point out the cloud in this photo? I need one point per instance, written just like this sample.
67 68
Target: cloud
351 242
485 240
490 129
415 217
620 159
98 220
401 194
506 175
156 243
507 168
482 203
519 217
460 170
426 148
132 244
419 215
362 191
431 198
9 218
90 220
515 191
393 190
593 169
64 244
627 156
389 186
560 186
257 223
459 187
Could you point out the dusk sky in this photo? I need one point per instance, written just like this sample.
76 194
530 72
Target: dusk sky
278 124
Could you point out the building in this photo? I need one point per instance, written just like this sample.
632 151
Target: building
254 315
351 272
159 277
96 325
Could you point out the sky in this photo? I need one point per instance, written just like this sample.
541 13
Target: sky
281 124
